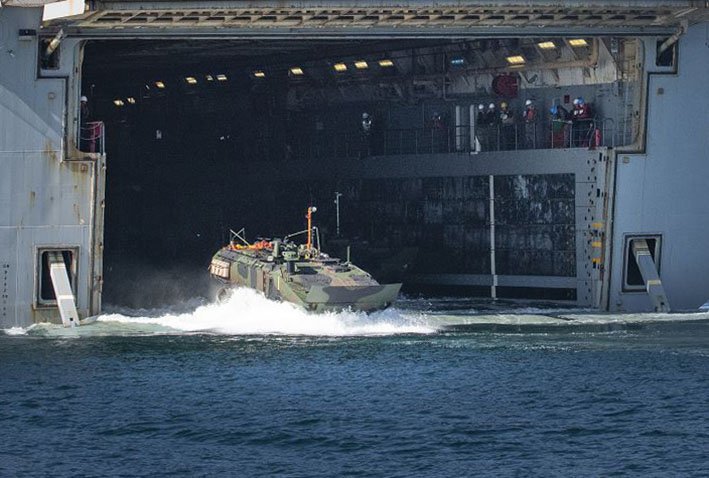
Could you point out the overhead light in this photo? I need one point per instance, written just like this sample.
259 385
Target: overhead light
578 42
118 102
458 61
191 80
259 74
130 100
516 60
160 84
209 78
546 45
296 71
386 63
340 67
361 64
221 77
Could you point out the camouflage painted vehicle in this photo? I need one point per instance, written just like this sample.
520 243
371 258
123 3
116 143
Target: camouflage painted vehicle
299 273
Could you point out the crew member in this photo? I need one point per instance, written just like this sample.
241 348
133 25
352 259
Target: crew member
492 122
507 120
439 139
366 123
581 109
560 124
84 110
86 140
582 122
530 118
480 118
366 135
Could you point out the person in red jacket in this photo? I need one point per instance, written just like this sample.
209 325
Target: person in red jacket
531 118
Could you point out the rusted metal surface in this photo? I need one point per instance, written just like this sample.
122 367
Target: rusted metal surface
370 17
46 201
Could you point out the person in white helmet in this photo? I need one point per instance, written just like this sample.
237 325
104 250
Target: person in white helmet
84 110
491 114
480 129
480 118
85 142
492 122
582 122
531 129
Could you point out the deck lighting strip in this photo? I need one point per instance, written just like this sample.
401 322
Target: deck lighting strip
578 42
515 60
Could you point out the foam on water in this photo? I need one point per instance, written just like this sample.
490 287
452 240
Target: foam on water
15 331
247 312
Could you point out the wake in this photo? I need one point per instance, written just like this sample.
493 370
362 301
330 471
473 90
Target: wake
246 312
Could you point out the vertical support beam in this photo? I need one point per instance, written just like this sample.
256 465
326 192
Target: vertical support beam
458 126
474 145
493 268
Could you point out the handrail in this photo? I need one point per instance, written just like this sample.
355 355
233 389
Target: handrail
92 137
549 134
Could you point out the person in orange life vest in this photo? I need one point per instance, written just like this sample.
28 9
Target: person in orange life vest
582 122
581 109
531 117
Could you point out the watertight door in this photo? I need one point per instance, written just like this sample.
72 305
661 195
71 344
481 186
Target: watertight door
62 289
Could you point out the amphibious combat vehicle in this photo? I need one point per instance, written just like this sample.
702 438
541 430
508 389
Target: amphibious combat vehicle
299 273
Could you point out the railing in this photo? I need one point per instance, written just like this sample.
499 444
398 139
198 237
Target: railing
92 137
519 136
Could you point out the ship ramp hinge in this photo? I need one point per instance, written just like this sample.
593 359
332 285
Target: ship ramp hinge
62 289
648 270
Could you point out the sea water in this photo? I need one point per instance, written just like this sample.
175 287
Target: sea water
252 387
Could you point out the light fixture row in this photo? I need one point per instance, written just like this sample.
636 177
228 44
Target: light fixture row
339 67
190 80
518 60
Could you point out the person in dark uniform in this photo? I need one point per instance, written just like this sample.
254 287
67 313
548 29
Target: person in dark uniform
560 125
492 126
507 123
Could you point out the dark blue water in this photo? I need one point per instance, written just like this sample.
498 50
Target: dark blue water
456 402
